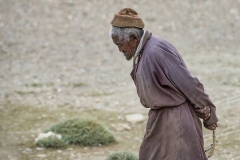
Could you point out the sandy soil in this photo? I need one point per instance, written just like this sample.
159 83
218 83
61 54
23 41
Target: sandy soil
58 54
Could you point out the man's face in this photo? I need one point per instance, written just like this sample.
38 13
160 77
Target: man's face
128 48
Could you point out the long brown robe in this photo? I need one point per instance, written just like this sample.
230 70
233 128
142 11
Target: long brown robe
164 84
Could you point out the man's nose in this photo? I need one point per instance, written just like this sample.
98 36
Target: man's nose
120 49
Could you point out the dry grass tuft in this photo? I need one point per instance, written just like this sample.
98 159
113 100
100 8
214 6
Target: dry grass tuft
51 142
122 156
83 132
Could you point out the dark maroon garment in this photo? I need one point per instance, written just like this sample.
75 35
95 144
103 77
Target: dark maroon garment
164 84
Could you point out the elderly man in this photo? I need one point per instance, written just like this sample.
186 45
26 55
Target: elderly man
176 99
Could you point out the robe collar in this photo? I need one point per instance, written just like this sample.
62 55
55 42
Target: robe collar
141 44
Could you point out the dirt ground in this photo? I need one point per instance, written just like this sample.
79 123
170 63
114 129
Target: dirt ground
57 61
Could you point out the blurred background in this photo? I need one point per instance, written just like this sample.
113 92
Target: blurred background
58 61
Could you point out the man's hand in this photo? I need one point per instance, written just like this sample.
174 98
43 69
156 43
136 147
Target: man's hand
203 113
211 127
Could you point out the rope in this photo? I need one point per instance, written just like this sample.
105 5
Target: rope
224 132
212 146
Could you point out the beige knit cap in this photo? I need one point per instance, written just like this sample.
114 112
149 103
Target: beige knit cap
127 17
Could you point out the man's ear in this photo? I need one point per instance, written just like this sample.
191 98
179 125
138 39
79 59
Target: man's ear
133 37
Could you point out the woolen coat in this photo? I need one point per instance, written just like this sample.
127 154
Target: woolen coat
164 84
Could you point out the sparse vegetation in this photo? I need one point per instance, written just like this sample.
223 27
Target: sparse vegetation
25 93
50 84
64 48
79 84
122 156
83 132
96 93
51 142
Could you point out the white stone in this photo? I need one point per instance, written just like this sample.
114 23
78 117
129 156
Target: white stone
28 150
47 135
135 118
121 127
69 149
41 155
59 151
39 148
97 100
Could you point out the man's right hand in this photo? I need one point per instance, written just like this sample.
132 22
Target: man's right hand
203 113
211 127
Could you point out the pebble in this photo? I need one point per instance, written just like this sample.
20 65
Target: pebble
97 100
39 149
59 151
69 149
116 102
41 155
27 151
120 117
121 127
47 135
135 118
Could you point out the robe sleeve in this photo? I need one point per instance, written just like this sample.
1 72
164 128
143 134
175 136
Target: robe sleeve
165 57
193 89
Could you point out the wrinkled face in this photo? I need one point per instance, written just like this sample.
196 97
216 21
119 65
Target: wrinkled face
128 48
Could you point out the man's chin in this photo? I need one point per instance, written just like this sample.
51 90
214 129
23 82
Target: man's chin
129 57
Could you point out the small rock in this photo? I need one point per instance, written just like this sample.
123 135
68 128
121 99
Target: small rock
41 155
39 148
69 149
135 118
113 80
70 17
97 100
47 135
116 102
59 151
27 151
1 24
120 117
35 24
44 116
121 127
59 90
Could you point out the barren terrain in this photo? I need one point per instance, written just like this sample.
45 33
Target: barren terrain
57 62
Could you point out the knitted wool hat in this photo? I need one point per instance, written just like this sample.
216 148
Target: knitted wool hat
127 17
